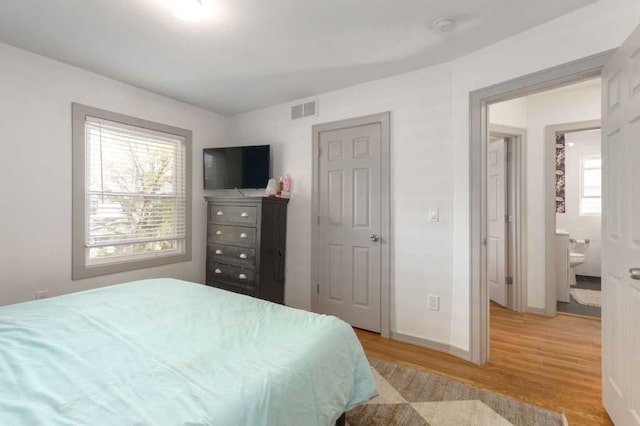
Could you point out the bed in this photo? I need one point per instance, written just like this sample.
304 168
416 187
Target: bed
169 352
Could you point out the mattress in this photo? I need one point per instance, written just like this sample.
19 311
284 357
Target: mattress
169 352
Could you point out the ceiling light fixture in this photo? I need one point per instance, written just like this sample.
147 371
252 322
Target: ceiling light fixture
443 25
188 10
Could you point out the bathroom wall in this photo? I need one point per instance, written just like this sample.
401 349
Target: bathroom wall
579 102
581 226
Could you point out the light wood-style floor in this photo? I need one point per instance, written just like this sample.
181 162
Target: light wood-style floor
550 362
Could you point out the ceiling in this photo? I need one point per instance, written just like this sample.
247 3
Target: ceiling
248 54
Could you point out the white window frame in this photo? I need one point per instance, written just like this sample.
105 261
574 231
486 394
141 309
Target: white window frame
82 266
583 160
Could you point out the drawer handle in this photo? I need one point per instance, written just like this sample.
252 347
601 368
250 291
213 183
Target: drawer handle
217 271
219 213
218 251
218 232
244 214
243 256
242 276
243 235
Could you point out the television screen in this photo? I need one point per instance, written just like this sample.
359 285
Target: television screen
237 167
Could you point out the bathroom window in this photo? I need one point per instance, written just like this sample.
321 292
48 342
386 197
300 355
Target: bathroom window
591 186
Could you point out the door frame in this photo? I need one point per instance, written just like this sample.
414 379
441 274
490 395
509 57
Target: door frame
386 237
550 201
479 101
518 183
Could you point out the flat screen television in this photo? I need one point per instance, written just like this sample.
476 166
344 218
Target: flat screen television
237 167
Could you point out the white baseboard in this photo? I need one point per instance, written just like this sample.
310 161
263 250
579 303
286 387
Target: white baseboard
460 353
432 344
537 311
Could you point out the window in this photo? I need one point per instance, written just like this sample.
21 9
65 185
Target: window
131 193
591 186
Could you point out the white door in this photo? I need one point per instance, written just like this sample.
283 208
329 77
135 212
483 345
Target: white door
349 225
621 234
496 217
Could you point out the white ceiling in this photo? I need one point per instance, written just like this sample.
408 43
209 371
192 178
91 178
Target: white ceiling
247 54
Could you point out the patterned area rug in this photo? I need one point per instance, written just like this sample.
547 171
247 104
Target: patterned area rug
586 297
409 397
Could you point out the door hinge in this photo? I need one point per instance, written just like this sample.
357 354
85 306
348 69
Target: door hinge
509 280
319 152
318 219
508 218
318 288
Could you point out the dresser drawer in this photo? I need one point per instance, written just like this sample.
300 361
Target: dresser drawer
235 255
232 274
232 234
233 214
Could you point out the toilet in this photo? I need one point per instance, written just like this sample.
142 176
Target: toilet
566 261
575 259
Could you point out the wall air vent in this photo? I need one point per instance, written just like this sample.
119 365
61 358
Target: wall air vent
304 109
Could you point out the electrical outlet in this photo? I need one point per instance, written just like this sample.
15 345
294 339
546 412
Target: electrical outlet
434 215
42 294
434 303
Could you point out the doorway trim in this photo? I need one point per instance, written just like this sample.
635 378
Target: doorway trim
386 237
519 138
550 200
479 100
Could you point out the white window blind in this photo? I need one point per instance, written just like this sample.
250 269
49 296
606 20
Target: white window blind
135 187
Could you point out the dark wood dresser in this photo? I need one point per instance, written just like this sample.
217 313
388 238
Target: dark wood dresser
246 241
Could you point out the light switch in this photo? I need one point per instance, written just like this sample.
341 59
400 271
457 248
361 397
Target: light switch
434 303
434 215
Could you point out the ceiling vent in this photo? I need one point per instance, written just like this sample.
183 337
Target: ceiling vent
304 109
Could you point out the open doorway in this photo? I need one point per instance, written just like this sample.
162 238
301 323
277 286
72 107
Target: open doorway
533 259
578 211
620 115
542 176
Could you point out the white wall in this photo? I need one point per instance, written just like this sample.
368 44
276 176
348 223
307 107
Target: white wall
580 102
35 170
581 227
420 105
510 113
430 160
587 31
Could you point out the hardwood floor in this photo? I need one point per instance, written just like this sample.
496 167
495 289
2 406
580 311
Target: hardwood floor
554 363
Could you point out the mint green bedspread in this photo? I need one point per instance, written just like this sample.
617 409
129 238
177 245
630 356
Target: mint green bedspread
169 352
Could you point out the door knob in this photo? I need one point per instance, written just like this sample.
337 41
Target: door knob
374 237
634 273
